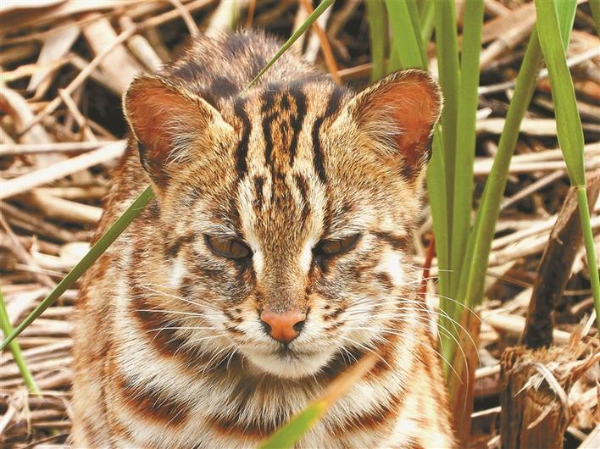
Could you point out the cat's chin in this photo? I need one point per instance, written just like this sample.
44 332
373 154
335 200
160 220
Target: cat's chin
291 366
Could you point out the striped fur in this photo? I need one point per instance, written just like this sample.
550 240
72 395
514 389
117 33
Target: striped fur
169 349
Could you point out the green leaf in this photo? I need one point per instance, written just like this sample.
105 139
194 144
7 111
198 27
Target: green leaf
407 38
394 63
16 349
94 253
436 188
595 7
472 280
427 18
474 270
568 121
588 240
378 36
473 276
565 10
465 139
415 19
449 74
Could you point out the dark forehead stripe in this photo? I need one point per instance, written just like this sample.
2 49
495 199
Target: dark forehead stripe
259 182
297 120
318 156
289 104
241 151
268 112
302 186
334 103
232 217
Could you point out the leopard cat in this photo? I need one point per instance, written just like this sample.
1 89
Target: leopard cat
273 257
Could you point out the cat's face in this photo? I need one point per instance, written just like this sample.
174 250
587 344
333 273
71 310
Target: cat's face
295 201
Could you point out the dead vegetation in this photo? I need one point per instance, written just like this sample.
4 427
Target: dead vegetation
65 66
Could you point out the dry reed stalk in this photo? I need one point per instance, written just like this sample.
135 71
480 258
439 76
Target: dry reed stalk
79 79
61 169
325 45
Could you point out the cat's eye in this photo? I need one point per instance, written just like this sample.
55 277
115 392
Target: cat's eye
229 248
332 247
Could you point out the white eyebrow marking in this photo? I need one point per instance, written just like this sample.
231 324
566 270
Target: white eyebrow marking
258 262
177 274
306 256
392 265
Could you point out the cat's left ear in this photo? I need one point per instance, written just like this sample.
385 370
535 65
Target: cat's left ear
396 117
172 126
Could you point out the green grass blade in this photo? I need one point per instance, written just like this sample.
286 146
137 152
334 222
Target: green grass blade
415 19
587 234
378 35
588 240
473 276
595 7
568 121
427 17
465 138
94 253
394 63
407 39
565 9
436 182
14 347
293 38
472 280
449 74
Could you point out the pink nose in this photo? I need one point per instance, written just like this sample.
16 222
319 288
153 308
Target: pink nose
283 327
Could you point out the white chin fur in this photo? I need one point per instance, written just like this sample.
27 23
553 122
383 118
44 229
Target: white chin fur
292 368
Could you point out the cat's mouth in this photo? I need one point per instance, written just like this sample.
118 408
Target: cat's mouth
285 352
289 362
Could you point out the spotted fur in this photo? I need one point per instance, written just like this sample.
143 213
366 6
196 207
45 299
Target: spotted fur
169 349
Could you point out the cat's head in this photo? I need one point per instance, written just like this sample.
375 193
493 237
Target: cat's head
285 213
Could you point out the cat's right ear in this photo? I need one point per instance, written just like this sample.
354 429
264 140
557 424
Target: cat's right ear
396 117
170 125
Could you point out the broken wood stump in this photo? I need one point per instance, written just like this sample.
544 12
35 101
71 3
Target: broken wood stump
535 400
